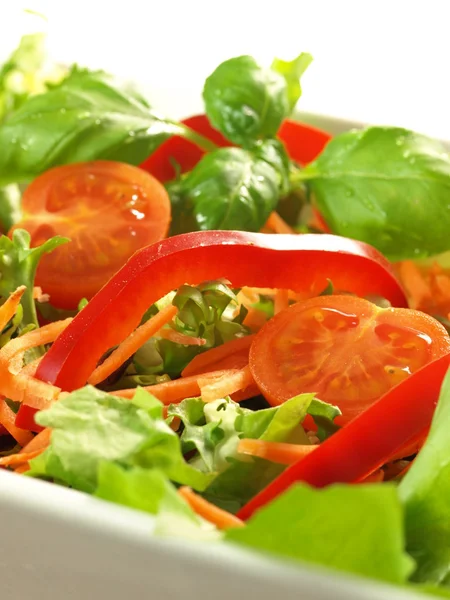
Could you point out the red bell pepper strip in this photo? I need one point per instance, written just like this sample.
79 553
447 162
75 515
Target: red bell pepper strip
302 263
303 144
367 442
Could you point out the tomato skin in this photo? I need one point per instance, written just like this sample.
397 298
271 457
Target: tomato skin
369 441
346 349
303 144
108 210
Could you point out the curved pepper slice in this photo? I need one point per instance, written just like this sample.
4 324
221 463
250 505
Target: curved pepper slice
302 263
369 441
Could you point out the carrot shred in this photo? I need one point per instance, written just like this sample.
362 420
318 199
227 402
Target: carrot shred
277 224
39 442
132 343
22 468
214 358
18 384
9 307
255 319
281 301
16 460
213 389
7 419
277 452
180 338
219 517
172 392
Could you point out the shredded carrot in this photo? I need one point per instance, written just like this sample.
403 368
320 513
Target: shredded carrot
180 338
16 460
40 441
255 319
277 224
39 296
214 359
213 389
7 419
277 452
9 308
427 288
16 383
23 468
281 301
220 518
172 392
132 343
375 477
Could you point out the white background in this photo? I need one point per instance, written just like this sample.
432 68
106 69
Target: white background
382 62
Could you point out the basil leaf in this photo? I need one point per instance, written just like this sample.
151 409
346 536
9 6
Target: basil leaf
386 186
292 71
245 101
232 188
84 118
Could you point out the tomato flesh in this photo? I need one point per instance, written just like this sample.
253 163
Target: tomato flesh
346 349
108 210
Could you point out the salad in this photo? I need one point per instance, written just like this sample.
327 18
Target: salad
234 323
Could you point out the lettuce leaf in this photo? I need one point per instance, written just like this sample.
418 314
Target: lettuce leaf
425 493
151 491
358 529
90 427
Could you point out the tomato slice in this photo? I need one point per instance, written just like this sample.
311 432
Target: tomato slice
346 349
107 209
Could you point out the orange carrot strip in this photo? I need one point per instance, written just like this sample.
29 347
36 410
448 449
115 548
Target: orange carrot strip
9 308
415 284
255 319
213 389
133 342
23 468
277 224
277 452
281 301
220 518
375 477
172 392
16 460
7 419
40 441
203 362
180 338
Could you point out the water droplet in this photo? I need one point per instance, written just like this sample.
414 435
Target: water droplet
131 133
406 154
97 121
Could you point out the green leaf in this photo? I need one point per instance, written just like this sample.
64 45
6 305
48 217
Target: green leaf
150 490
214 430
324 415
357 529
386 186
232 188
10 213
292 71
84 118
18 264
245 101
425 492
90 427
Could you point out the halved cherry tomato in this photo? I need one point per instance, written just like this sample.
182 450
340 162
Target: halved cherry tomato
108 210
303 144
346 349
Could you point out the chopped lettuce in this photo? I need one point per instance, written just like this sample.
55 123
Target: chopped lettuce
425 494
18 264
90 426
151 491
357 529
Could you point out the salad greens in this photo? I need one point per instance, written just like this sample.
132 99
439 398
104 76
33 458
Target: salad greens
366 181
383 185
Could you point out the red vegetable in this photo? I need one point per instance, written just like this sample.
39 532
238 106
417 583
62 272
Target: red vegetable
303 144
299 262
367 442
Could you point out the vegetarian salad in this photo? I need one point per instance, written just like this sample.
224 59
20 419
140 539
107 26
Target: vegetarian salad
234 323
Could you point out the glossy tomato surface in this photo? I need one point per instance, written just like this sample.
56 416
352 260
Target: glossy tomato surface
346 349
108 210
